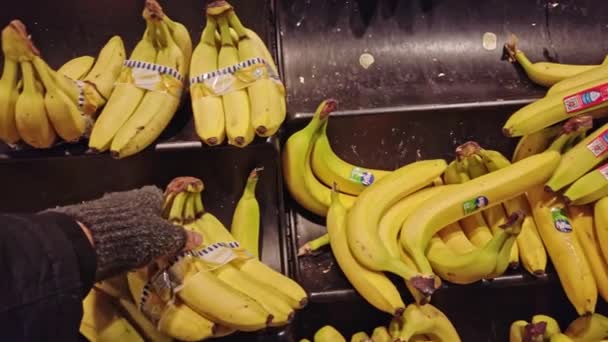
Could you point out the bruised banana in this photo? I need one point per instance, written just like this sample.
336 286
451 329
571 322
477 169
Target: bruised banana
77 68
246 218
208 109
107 66
471 197
535 143
126 96
301 182
589 188
588 328
374 286
330 168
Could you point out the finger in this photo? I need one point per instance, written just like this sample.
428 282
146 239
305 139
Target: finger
194 240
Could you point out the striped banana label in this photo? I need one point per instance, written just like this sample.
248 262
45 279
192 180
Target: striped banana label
156 77
604 171
235 77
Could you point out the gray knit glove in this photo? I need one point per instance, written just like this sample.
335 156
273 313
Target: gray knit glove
127 229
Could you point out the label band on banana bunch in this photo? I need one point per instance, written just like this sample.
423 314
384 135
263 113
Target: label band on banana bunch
604 171
235 77
599 145
155 77
587 98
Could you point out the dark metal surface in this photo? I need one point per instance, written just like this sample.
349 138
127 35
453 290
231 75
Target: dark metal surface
427 51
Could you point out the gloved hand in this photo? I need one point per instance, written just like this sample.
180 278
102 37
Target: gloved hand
128 231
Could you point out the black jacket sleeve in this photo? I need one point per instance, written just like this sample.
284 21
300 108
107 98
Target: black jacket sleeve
47 266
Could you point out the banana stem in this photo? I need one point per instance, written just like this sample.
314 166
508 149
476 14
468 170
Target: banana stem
467 149
314 245
225 31
208 36
29 79
236 24
218 7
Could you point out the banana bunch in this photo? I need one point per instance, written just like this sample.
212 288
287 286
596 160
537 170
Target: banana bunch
419 324
46 104
586 328
235 87
149 87
222 287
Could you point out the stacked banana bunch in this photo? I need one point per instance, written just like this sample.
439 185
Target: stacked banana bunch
222 287
149 87
419 324
234 84
590 328
39 105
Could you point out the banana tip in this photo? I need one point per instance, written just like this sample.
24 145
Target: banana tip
261 130
467 149
327 107
539 273
507 132
269 319
399 312
212 141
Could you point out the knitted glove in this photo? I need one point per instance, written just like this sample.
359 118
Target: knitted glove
127 229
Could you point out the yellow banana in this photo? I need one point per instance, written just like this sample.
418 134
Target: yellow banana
380 334
374 286
455 239
360 336
600 72
126 95
149 330
531 250
328 334
208 110
582 222
102 322
157 107
330 168
107 66
600 216
589 188
560 338
77 68
535 143
428 320
246 218
544 73
8 89
365 215
237 108
181 36
310 193
30 115
471 197
588 328
517 331
264 94
551 325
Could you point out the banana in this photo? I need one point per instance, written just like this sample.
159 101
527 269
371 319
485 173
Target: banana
157 107
553 109
374 286
237 108
126 96
428 320
208 110
564 249
589 188
265 95
543 73
600 215
313 245
535 143
150 332
580 159
600 72
517 331
380 334
551 325
310 193
77 68
588 328
360 336
531 250
494 216
391 222
560 338
328 334
246 218
107 66
102 322
365 215
471 197
330 168
30 115
455 239
582 221
8 87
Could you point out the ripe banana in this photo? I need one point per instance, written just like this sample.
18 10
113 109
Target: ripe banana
428 320
582 221
588 328
157 107
531 250
589 188
208 109
264 94
107 66
330 168
182 38
237 108
310 193
360 336
374 286
246 218
560 338
555 108
543 73
551 325
148 330
30 115
127 95
600 215
535 143
102 322
517 330
328 334
564 249
580 159
365 215
77 68
8 88
600 72
380 334
471 197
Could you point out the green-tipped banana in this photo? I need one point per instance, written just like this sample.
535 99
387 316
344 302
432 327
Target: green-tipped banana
589 188
246 218
328 334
